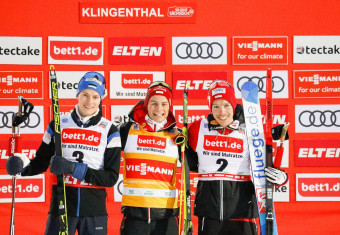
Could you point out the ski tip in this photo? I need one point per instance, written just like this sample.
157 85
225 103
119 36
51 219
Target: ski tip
249 92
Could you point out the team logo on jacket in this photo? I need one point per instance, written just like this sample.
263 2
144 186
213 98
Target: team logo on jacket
151 141
223 144
80 136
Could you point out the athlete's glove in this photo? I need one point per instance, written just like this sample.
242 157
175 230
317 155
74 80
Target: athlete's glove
59 165
28 108
238 114
275 175
16 163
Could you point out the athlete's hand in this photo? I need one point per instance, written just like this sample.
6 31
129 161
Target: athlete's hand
59 165
275 175
16 163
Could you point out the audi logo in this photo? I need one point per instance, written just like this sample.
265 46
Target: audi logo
202 50
319 118
31 122
278 83
120 187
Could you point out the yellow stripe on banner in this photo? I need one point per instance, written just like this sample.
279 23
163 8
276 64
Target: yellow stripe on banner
154 202
151 184
158 134
150 157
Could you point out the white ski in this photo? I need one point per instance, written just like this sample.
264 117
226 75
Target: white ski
257 148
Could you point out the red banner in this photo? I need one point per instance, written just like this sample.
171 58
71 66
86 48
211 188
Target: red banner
317 84
146 12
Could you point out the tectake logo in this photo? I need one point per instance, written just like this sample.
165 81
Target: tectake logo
222 143
75 50
316 49
300 50
199 50
119 114
21 50
137 51
151 141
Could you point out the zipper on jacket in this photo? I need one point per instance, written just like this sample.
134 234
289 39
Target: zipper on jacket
221 200
149 215
78 205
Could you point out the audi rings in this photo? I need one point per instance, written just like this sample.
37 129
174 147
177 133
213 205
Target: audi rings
31 122
202 50
319 118
278 83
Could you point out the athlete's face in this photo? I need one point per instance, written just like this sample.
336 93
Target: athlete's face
223 112
88 102
158 108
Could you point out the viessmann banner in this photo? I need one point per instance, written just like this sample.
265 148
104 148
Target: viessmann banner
317 84
25 83
260 50
146 12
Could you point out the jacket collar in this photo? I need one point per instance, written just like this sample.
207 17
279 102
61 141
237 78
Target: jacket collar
138 114
213 125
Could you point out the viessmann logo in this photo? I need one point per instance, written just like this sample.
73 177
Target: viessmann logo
75 50
10 79
316 78
256 45
147 141
221 143
149 169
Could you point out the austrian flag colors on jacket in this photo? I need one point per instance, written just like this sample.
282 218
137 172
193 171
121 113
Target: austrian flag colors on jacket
150 167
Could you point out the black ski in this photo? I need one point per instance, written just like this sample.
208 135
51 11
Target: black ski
61 194
185 212
269 154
